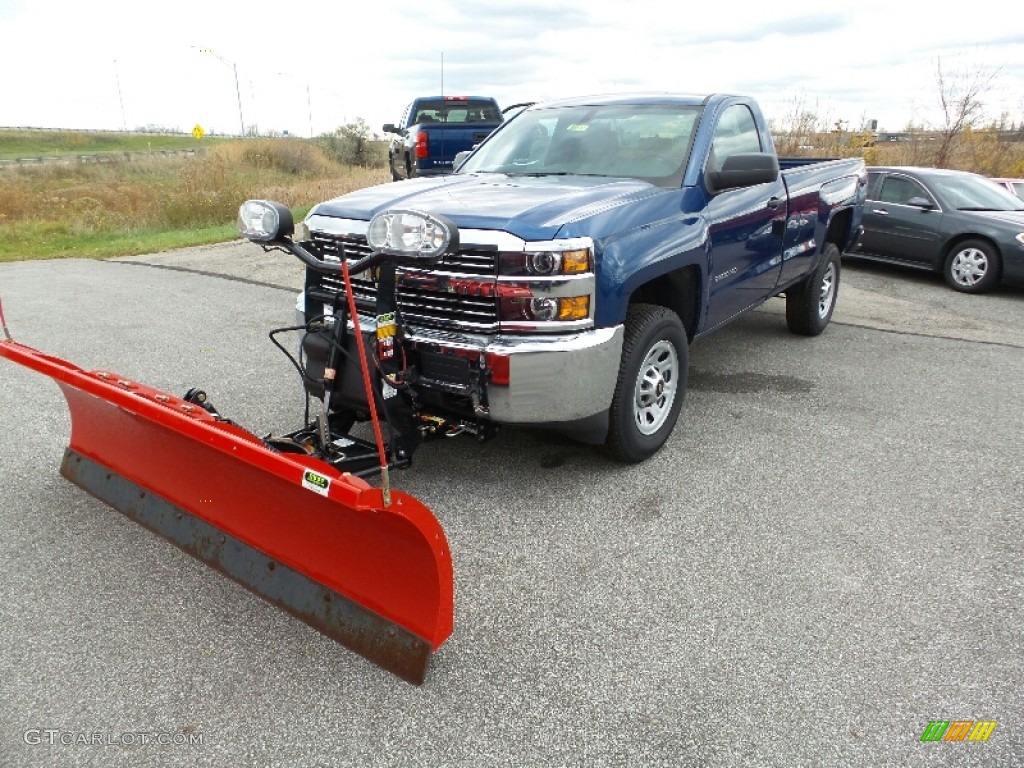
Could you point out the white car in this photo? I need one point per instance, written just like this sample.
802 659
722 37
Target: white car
1016 186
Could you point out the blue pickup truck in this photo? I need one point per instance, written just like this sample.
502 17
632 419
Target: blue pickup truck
597 238
436 128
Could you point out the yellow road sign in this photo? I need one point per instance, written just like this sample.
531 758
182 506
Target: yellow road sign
198 132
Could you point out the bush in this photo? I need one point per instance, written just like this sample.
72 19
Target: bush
297 157
353 145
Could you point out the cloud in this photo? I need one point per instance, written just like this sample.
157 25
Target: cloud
853 60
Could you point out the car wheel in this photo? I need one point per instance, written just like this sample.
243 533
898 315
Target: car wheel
394 173
408 168
651 383
809 305
972 267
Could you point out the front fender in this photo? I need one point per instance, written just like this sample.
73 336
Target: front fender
647 254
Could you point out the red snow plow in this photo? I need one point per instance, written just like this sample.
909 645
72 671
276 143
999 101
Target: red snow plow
292 517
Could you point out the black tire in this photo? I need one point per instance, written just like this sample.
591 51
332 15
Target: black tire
810 304
972 266
394 173
408 168
651 384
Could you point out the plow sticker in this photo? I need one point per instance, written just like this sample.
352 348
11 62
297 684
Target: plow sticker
316 482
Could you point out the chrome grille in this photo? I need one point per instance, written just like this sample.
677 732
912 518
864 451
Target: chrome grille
419 304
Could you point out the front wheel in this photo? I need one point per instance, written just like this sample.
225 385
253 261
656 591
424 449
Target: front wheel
651 383
972 267
809 305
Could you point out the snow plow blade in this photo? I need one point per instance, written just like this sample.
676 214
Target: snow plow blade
317 543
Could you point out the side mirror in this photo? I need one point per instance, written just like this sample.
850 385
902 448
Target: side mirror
921 202
460 158
743 170
412 236
390 128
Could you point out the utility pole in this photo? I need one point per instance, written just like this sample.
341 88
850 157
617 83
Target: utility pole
120 98
309 106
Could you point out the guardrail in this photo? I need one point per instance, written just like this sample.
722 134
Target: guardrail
96 157
112 130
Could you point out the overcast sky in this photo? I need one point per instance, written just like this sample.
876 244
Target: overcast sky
111 64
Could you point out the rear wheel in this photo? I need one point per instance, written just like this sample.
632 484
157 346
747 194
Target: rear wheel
651 383
809 305
972 267
394 173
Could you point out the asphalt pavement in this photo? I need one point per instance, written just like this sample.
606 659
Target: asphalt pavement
825 557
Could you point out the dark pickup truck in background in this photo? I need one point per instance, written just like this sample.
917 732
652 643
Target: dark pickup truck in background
597 238
434 129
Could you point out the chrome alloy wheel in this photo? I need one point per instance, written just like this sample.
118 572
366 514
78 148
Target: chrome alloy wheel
655 388
969 267
828 291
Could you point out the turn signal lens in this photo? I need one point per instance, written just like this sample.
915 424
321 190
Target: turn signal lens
575 308
575 262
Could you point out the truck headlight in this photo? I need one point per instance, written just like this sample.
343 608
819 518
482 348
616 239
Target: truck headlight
569 257
544 309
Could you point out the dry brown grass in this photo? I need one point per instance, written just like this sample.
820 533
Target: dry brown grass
176 193
990 152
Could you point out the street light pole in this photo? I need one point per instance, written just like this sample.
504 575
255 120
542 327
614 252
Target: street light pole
309 99
238 91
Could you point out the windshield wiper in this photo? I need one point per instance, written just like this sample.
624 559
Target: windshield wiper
539 173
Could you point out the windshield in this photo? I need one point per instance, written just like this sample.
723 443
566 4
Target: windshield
975 193
650 142
453 110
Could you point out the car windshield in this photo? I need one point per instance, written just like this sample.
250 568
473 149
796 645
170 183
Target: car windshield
975 193
455 110
650 142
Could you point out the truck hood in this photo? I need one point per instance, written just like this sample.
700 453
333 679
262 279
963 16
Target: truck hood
533 208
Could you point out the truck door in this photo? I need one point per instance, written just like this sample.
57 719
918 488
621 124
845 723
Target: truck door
745 225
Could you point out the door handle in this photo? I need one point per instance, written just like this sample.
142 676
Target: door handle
880 211
774 202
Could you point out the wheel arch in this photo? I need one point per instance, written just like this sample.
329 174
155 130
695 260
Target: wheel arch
962 237
678 291
839 229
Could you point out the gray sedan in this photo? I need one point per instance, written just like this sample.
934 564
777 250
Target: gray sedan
957 223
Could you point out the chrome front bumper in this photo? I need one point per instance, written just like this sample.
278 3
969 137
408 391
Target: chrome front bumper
552 379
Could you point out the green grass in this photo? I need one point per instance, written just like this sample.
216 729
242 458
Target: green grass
14 144
47 240
50 240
